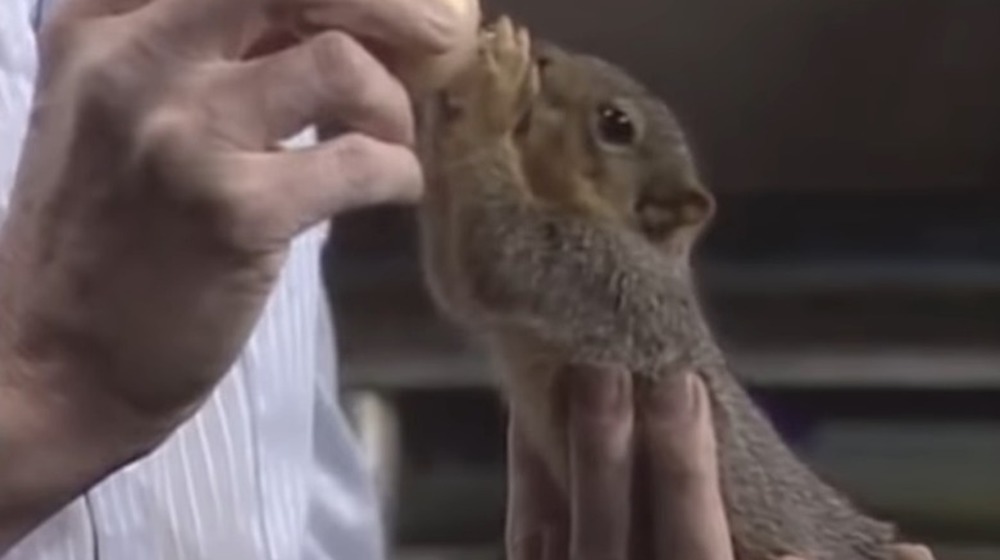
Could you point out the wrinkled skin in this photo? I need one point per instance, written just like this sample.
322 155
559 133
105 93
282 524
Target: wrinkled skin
152 213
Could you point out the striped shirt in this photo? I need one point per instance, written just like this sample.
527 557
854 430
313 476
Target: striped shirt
267 470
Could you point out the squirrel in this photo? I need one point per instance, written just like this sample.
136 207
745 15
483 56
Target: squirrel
561 209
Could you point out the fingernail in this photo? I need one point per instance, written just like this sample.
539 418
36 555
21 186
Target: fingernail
676 396
599 390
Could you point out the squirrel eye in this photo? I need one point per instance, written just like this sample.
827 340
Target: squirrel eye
614 125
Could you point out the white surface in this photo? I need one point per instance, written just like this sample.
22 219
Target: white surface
266 471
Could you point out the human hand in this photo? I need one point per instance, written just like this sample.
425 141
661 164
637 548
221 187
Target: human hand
678 476
152 209
604 427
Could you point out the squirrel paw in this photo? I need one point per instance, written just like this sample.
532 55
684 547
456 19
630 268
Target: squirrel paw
495 92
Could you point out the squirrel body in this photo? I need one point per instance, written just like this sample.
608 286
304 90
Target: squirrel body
561 210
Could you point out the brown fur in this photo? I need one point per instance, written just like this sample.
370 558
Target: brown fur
562 249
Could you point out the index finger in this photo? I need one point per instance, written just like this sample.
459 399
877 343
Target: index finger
225 27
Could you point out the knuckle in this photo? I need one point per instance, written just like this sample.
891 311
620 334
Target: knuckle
357 160
340 62
447 30
342 67
98 59
211 193
100 80
59 38
234 208
234 196
362 90
159 137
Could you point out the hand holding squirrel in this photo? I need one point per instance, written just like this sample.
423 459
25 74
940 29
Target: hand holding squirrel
674 425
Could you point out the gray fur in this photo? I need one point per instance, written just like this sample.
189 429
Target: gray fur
550 287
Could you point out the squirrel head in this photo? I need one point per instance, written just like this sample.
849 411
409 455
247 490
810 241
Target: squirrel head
594 125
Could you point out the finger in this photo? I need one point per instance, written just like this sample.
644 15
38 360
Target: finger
911 552
689 513
536 513
281 194
330 79
70 11
600 435
224 27
208 28
272 39
431 26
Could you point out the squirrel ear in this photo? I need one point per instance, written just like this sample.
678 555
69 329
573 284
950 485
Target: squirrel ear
662 213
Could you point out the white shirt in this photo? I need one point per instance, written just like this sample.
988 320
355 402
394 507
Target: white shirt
267 470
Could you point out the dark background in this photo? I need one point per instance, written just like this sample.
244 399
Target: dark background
782 94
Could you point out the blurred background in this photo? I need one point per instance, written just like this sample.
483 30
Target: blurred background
853 273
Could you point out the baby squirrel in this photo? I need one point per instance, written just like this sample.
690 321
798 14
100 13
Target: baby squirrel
562 205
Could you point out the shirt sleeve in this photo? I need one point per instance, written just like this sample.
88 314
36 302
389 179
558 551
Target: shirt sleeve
40 12
18 66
